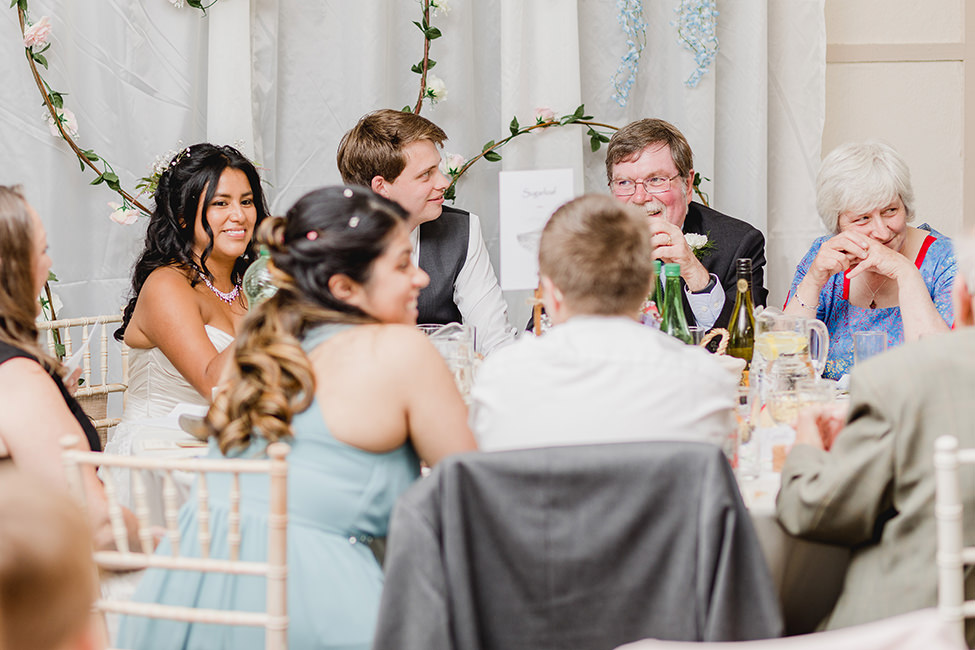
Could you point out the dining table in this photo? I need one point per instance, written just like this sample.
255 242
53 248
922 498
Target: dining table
807 575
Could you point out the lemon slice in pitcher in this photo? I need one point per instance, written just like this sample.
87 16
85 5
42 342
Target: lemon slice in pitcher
771 344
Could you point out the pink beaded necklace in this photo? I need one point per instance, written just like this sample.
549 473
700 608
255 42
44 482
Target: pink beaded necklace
228 297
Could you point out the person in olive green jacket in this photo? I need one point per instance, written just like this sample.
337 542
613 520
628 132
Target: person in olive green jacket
868 483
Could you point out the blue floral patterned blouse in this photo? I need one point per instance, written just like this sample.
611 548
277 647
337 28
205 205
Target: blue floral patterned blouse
935 260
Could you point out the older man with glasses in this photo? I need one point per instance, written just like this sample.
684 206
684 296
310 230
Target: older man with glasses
649 163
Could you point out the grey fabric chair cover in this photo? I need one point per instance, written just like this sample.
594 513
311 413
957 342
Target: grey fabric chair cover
583 547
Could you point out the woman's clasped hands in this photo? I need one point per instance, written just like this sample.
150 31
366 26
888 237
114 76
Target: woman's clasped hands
857 253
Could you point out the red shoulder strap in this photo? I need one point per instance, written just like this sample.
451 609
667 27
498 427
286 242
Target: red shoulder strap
925 245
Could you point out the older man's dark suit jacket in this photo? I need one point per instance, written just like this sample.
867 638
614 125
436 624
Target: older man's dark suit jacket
732 239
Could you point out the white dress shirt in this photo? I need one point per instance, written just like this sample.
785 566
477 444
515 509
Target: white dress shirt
477 293
600 379
707 305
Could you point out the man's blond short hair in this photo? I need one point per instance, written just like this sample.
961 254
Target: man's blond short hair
374 146
597 251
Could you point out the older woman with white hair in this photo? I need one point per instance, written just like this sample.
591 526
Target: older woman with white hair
873 272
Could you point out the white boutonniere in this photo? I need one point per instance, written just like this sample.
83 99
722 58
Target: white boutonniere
699 244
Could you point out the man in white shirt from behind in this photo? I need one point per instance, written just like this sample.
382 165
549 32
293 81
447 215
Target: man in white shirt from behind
598 375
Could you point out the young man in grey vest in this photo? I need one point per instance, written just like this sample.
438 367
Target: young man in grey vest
397 155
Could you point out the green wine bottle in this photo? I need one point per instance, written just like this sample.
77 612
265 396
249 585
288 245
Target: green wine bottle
658 287
741 328
674 322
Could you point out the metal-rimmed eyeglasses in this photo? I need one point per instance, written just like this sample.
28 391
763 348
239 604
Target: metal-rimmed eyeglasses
652 185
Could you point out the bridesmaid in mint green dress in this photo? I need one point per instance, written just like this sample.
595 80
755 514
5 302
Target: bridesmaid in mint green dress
365 395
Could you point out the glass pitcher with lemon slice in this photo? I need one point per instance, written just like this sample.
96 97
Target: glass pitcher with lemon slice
783 335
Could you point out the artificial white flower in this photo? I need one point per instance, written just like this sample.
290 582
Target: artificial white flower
68 121
695 240
177 3
440 7
451 163
122 215
436 89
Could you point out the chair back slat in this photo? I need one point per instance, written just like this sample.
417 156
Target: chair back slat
277 579
115 514
86 356
141 499
73 471
95 379
952 554
171 509
275 619
103 350
233 521
203 514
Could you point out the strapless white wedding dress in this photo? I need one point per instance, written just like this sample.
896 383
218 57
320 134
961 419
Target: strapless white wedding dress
155 387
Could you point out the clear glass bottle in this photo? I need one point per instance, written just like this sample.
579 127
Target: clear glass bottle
257 283
741 327
674 322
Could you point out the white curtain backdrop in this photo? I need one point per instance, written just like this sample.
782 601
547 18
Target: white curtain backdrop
288 78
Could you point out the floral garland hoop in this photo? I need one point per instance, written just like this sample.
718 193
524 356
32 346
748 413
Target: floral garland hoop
62 121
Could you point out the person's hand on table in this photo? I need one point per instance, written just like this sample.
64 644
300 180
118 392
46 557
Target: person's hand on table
819 425
671 247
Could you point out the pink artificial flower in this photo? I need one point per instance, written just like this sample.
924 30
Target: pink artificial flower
122 215
544 114
452 163
36 35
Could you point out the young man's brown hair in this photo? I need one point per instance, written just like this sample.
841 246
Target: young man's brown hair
374 146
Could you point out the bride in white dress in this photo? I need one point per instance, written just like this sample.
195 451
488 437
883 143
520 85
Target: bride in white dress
186 300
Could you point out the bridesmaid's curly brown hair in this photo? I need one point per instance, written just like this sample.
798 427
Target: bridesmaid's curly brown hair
330 231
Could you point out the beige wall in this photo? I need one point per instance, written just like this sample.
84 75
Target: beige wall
896 71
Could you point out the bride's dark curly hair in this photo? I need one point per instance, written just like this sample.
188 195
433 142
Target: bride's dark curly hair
330 231
191 177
